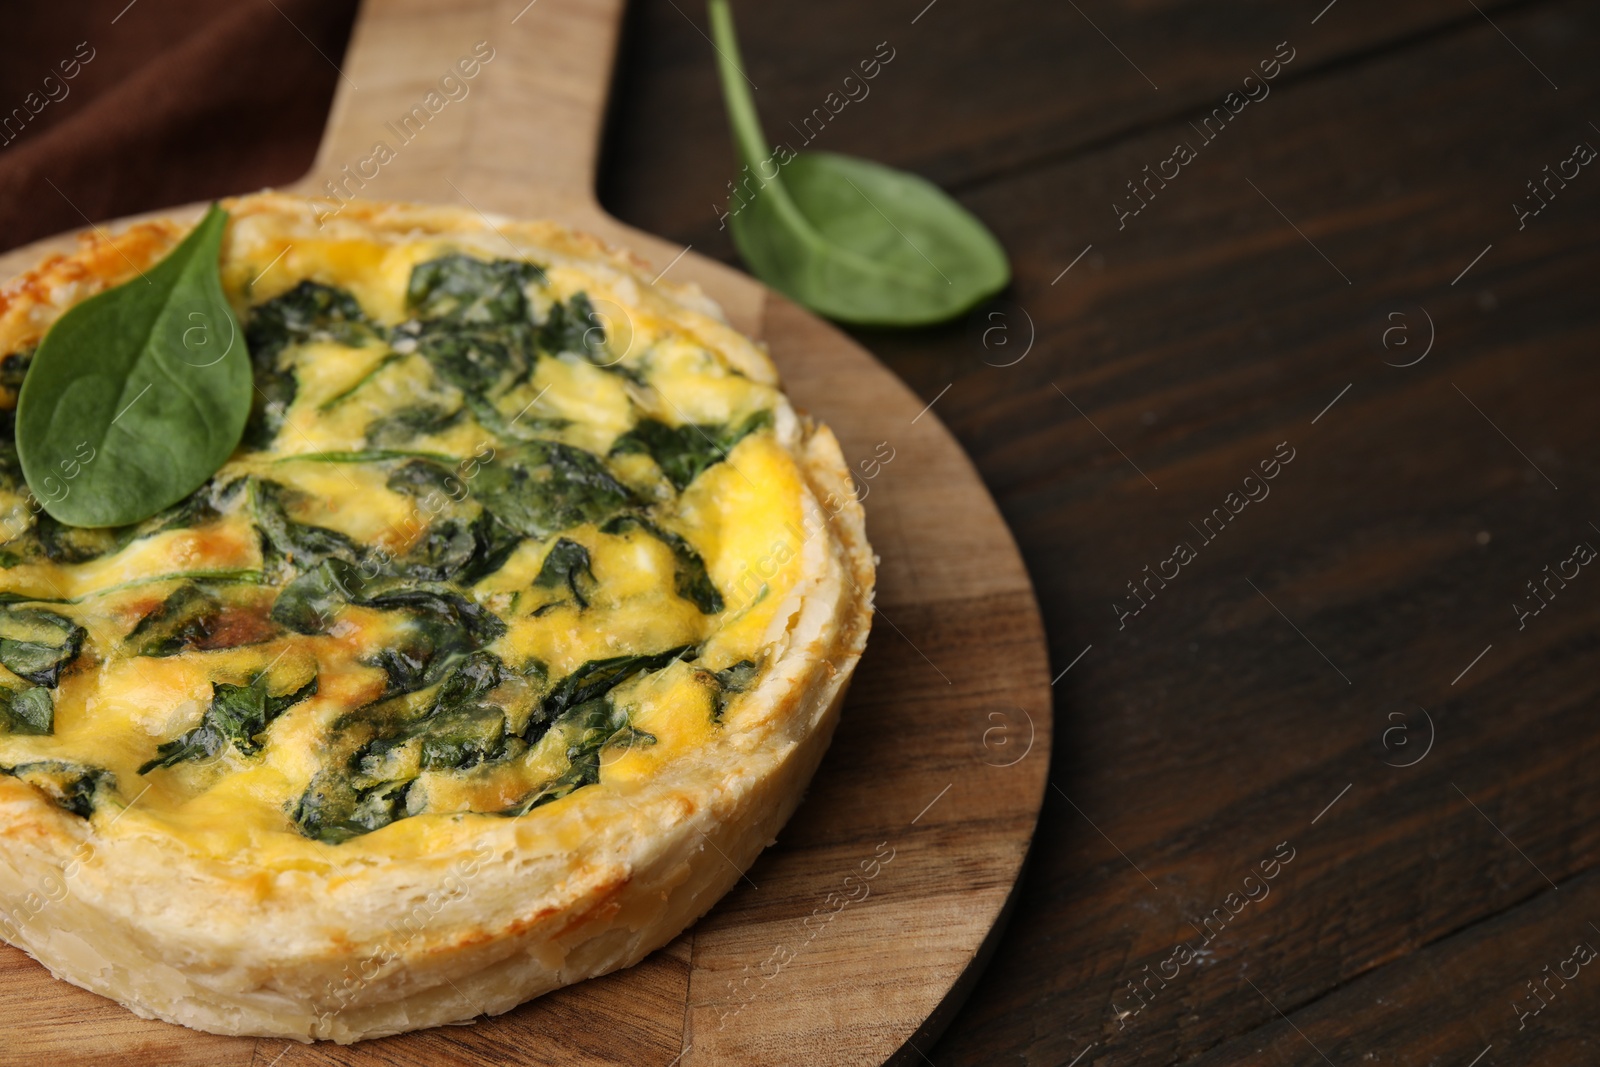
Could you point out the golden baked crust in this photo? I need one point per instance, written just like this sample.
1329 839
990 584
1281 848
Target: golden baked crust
213 888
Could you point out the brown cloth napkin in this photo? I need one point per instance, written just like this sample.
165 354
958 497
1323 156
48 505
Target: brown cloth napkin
109 108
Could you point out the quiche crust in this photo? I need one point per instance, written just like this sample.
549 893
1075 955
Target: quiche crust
443 916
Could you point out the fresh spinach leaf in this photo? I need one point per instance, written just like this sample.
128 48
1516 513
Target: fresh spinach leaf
73 787
150 376
853 240
238 714
543 487
683 452
27 711
37 644
690 577
564 564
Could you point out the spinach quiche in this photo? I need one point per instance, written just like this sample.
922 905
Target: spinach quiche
509 635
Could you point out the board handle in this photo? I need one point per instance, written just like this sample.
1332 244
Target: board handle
495 103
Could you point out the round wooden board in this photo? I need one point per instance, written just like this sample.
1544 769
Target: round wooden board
927 799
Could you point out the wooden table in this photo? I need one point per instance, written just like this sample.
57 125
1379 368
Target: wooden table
1340 269
1340 696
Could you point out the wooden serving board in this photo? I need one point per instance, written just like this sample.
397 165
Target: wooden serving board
927 799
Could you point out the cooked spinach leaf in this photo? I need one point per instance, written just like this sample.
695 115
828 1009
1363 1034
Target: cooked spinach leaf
461 288
473 322
564 564
458 730
730 680
180 622
309 312
573 327
238 714
442 552
442 623
461 729
482 361
690 577
307 604
737 678
493 542
854 240
443 605
356 386
75 544
576 328
542 487
593 680
197 617
333 810
401 427
683 452
472 678
463 736
37 644
452 548
442 627
27 711
72 786
13 369
287 542
588 728
137 395
422 478
61 543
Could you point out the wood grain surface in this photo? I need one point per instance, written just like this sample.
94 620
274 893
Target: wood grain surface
853 938
1288 665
